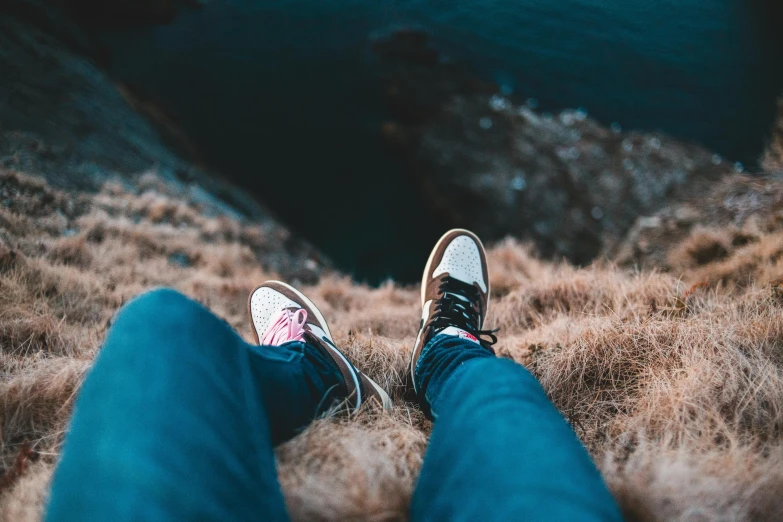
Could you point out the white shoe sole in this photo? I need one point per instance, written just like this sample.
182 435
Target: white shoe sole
385 399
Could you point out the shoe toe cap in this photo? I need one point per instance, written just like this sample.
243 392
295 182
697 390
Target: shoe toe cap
462 259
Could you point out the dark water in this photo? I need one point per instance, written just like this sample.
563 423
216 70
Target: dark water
283 96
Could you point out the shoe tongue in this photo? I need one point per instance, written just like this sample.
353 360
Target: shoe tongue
463 299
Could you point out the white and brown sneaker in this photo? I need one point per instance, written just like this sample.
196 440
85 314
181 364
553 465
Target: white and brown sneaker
280 313
454 293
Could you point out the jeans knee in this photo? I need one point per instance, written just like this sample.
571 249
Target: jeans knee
159 308
163 325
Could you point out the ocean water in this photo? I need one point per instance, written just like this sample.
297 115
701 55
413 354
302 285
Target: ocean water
283 96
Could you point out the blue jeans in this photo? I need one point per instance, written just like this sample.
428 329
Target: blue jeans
179 417
499 450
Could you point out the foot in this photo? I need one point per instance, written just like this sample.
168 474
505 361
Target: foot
454 292
279 313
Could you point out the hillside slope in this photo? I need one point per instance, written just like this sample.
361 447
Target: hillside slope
675 386
773 156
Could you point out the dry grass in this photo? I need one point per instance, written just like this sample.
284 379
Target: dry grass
675 388
732 236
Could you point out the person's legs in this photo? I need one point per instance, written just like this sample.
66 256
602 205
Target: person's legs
499 449
178 418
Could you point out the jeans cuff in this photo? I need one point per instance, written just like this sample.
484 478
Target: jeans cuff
435 341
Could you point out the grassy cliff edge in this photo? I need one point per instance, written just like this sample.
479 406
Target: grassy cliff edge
674 381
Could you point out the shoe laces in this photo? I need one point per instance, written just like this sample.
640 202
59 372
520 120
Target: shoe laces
459 307
286 326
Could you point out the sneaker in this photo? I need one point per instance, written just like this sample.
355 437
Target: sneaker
280 313
454 293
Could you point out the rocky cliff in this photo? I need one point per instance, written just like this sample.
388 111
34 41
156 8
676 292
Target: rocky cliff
563 180
773 157
733 234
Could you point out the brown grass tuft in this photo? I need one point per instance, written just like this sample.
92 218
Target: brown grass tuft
71 251
371 459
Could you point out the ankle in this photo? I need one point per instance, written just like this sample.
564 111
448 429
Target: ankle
439 359
326 381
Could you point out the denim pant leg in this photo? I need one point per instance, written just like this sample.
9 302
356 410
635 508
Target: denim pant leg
500 450
178 418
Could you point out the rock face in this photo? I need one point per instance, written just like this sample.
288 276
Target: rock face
773 156
62 118
735 228
565 181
